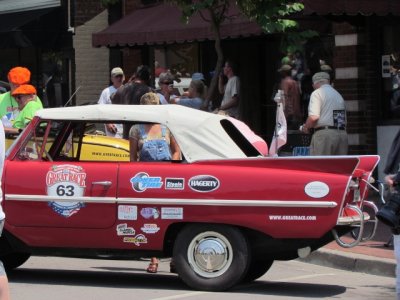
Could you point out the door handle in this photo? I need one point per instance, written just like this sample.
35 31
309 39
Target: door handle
103 183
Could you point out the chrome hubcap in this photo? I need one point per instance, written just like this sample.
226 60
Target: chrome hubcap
210 254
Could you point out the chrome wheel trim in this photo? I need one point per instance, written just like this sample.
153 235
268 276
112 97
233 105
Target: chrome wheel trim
210 254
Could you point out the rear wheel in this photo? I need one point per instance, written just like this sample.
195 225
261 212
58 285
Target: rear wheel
211 257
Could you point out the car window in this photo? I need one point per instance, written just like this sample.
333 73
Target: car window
74 141
38 143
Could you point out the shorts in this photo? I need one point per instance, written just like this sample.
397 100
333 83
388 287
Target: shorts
2 270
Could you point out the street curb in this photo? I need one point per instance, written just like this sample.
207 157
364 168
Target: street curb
352 262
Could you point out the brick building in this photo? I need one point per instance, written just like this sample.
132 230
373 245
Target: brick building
353 38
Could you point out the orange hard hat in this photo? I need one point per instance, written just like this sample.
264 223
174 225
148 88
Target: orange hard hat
19 75
24 89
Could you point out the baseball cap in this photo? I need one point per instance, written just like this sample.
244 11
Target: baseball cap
24 89
320 76
166 78
116 71
19 75
326 68
197 76
285 68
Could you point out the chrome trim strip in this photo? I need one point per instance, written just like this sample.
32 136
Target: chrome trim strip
162 201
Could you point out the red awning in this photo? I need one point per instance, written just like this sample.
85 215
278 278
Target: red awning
162 23
352 7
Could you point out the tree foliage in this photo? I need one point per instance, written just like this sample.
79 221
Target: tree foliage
272 15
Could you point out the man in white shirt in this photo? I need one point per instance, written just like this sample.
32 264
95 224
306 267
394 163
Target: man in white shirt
327 117
230 101
117 79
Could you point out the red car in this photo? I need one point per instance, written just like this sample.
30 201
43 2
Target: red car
222 212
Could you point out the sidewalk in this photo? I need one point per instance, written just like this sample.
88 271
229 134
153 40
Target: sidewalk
371 257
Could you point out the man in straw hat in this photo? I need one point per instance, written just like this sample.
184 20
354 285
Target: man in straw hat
327 118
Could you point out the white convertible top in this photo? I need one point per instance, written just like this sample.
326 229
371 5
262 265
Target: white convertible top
198 133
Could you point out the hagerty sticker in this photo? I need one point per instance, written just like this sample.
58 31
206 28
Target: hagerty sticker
123 229
203 183
66 181
142 181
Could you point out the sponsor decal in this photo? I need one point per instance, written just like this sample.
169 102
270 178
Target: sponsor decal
172 213
66 181
150 213
150 228
203 183
123 229
127 212
137 240
316 189
142 181
174 183
291 218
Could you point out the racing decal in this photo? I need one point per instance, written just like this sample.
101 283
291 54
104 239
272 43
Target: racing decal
137 240
127 212
142 181
174 183
150 228
66 181
172 213
123 229
203 183
150 213
316 189
291 218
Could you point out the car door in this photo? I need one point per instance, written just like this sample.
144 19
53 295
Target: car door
46 184
60 194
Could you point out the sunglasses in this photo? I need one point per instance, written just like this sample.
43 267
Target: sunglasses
19 97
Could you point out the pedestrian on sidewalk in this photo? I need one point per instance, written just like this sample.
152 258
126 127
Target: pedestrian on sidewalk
393 180
392 168
326 118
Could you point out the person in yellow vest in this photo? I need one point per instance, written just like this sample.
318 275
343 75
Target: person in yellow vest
8 104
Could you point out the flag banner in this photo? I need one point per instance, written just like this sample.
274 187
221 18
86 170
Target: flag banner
280 134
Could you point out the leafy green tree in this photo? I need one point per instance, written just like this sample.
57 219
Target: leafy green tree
272 15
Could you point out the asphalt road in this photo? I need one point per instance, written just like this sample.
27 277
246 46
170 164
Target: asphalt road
66 278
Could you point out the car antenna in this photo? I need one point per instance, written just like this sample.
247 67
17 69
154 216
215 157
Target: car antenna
72 96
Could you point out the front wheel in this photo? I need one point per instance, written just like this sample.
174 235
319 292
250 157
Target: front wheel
14 260
211 257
